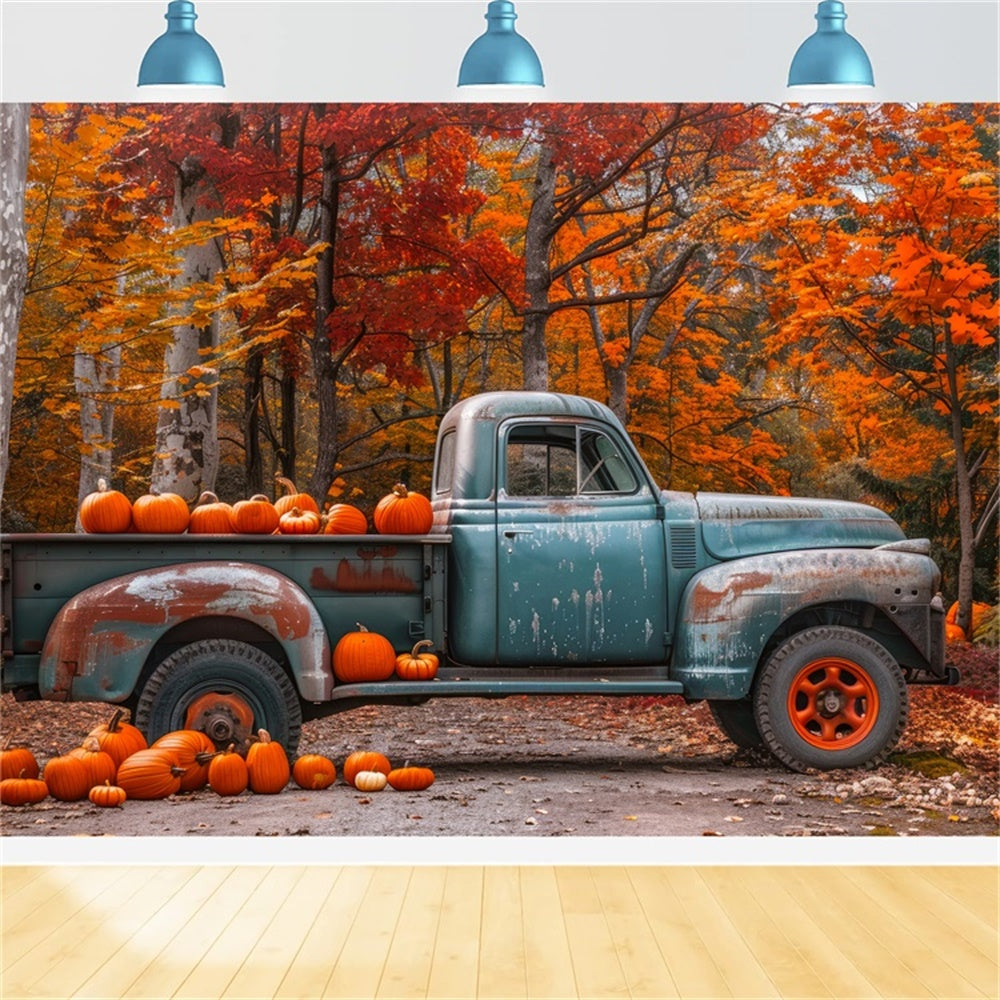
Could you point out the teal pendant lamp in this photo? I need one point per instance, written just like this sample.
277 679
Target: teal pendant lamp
501 56
830 56
180 55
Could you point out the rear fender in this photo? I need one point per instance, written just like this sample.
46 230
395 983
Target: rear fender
99 641
729 612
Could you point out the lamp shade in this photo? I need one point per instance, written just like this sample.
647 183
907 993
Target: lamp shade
180 55
830 55
501 56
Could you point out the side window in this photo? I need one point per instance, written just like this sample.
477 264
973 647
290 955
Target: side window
445 464
553 460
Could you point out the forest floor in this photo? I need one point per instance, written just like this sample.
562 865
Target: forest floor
578 766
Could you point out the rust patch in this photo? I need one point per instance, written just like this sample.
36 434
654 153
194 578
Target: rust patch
718 605
349 579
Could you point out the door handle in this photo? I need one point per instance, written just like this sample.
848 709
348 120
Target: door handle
511 532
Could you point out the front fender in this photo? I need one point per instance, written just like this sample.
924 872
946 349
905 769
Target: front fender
729 611
100 639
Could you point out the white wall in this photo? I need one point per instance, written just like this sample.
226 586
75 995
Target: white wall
614 50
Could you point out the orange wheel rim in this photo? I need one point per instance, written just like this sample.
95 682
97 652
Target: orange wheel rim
833 703
224 718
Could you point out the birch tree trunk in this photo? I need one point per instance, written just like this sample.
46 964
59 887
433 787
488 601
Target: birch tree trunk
538 236
187 438
96 376
13 256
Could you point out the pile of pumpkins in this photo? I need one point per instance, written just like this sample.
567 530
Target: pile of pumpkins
114 763
955 633
108 511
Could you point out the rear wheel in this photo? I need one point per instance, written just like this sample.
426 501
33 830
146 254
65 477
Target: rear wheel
830 697
736 719
225 688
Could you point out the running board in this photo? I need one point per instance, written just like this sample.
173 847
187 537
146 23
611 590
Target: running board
497 688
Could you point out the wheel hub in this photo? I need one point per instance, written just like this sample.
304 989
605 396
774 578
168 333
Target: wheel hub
224 718
830 703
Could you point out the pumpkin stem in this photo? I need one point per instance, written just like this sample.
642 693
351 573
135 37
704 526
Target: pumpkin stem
91 744
361 628
206 498
400 490
120 714
102 485
424 643
286 484
264 736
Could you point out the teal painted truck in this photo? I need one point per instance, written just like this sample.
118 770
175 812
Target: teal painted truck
555 565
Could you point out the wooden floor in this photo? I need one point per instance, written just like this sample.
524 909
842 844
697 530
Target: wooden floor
469 931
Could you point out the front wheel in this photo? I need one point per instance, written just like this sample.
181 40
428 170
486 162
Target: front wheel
227 689
830 697
736 719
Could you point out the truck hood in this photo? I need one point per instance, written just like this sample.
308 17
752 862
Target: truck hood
735 526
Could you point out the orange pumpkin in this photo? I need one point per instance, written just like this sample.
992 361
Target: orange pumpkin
365 760
22 791
17 761
345 519
298 522
160 514
105 511
194 751
403 513
107 796
211 516
118 737
363 656
293 498
417 666
227 773
953 633
255 516
267 764
314 771
67 778
152 773
100 766
410 779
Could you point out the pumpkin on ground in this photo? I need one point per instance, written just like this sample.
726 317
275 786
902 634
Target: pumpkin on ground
194 752
345 519
314 771
107 796
211 516
100 766
954 632
22 790
227 772
67 778
15 761
363 656
410 779
298 522
293 498
105 511
369 781
267 764
255 516
365 760
118 737
152 773
160 514
417 666
403 513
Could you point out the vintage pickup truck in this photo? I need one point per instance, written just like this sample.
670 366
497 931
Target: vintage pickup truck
555 565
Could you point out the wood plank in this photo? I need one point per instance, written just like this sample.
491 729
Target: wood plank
60 964
62 895
595 961
322 944
687 955
548 961
501 936
976 888
408 963
291 915
955 970
13 878
235 935
359 965
638 951
819 950
141 945
454 972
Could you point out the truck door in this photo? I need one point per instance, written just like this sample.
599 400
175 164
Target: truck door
580 549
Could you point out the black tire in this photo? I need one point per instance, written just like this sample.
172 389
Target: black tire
830 697
736 719
227 666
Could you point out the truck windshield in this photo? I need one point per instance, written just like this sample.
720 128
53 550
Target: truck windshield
557 460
